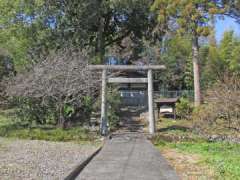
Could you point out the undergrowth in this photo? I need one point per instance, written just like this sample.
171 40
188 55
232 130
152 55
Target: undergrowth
11 129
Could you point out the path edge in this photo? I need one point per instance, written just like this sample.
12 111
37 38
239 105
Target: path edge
75 173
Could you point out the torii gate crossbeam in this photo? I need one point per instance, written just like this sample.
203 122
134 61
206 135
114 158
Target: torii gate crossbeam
105 80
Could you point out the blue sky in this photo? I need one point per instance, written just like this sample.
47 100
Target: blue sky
226 24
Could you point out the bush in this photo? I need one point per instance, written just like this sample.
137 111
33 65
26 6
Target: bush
7 70
204 117
55 88
184 108
31 111
114 101
113 107
222 106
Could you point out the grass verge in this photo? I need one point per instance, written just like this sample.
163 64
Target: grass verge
11 129
222 157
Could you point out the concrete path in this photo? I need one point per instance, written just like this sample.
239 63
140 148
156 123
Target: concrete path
128 156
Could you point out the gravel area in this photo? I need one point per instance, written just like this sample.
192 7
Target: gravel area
40 160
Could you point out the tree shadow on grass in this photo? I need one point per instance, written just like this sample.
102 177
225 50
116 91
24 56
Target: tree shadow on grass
174 128
6 130
167 115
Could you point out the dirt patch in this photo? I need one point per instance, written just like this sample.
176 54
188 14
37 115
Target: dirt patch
188 166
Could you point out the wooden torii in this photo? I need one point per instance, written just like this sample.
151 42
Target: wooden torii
148 80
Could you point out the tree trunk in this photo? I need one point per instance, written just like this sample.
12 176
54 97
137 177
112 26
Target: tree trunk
61 118
196 72
101 38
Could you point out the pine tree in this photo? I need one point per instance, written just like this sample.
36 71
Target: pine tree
192 17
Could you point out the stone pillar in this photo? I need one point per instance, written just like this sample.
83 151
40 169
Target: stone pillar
150 103
103 125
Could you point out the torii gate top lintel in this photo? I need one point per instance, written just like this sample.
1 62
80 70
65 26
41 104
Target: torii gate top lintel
127 67
105 80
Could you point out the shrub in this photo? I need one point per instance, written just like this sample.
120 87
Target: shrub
113 107
204 117
32 111
184 108
7 70
114 101
222 106
55 87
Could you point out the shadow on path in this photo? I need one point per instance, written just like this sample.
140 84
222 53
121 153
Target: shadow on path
130 119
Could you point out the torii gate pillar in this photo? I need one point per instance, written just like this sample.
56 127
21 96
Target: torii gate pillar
150 103
104 126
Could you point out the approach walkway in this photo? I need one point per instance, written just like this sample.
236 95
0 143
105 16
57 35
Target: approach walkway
128 154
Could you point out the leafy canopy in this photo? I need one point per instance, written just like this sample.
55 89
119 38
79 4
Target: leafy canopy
192 16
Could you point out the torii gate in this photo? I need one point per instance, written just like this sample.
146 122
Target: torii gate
105 80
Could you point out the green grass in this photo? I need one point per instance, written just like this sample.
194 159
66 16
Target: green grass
58 134
175 130
4 120
11 129
222 156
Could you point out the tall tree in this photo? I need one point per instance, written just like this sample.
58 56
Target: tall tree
95 25
232 8
21 29
229 52
222 59
176 54
192 17
99 24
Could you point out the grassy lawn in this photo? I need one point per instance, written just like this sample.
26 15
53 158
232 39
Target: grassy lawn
11 129
222 157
